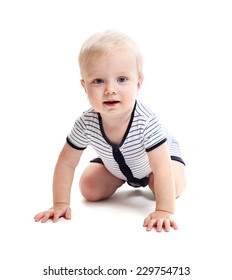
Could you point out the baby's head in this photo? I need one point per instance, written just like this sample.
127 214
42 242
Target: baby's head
102 44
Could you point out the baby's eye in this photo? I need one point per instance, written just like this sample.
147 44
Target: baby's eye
98 81
122 79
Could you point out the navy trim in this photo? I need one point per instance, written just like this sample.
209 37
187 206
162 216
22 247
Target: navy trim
97 160
177 159
125 134
157 145
73 146
129 125
136 183
126 171
122 164
139 183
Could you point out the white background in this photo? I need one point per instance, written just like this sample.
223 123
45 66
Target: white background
188 68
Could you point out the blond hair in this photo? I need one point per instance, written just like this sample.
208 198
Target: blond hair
101 44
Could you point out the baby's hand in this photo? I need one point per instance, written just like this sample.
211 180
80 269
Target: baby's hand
160 220
54 213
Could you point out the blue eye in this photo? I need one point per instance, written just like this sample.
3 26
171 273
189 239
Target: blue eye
122 79
98 81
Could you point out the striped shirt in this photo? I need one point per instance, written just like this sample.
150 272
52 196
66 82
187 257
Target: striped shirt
144 133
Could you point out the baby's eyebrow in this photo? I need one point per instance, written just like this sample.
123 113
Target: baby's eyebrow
123 73
93 73
93 77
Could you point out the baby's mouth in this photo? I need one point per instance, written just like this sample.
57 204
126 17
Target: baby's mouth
110 103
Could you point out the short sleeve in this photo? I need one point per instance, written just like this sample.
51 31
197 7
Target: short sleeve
153 134
77 138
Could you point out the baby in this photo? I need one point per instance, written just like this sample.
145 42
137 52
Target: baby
131 143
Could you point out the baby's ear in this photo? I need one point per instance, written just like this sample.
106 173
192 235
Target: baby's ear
140 81
83 84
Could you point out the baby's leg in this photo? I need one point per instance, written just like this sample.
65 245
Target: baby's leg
179 177
97 183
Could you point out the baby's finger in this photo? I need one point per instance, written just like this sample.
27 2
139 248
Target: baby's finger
47 215
174 225
151 224
146 221
166 225
159 225
57 215
38 217
68 214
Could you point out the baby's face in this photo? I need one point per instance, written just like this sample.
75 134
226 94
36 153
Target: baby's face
111 83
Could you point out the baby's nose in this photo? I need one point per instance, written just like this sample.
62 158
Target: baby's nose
111 89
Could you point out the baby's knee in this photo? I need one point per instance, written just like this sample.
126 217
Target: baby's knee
180 186
88 190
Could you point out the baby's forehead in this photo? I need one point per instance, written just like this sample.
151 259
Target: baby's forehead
115 67
102 54
119 59
116 60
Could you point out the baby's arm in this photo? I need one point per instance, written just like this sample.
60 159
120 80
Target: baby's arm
62 182
164 189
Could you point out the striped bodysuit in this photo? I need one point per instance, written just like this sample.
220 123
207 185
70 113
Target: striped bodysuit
128 160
